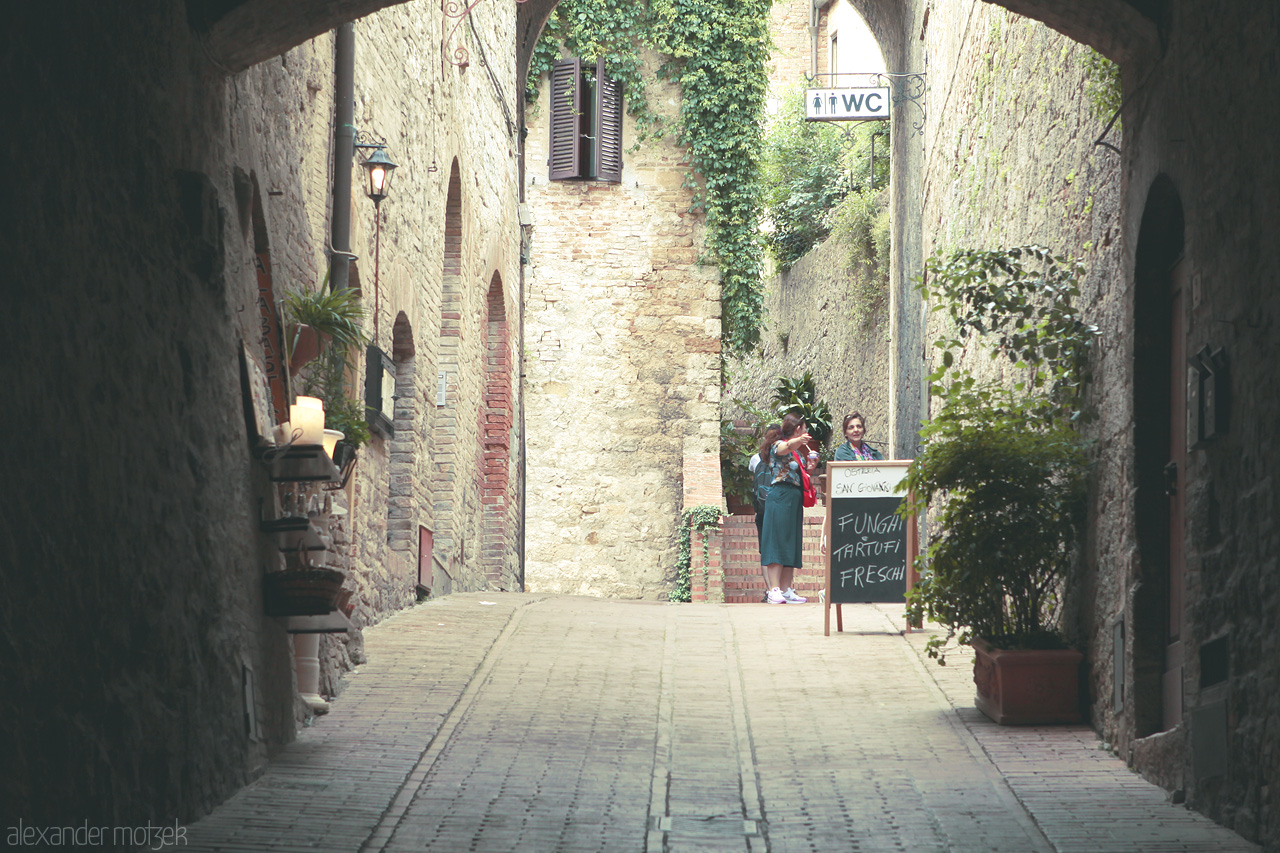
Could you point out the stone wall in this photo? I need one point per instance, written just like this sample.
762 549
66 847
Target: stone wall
622 338
816 324
131 547
1184 162
1011 160
432 474
1011 156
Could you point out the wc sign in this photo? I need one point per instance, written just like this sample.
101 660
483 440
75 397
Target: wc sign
846 104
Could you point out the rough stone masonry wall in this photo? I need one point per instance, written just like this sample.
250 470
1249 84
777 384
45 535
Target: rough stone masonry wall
1229 194
1009 159
435 115
813 327
130 542
622 337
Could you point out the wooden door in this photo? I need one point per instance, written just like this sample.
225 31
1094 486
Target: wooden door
1175 490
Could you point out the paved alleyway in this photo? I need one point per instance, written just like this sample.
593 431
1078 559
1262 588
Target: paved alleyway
503 722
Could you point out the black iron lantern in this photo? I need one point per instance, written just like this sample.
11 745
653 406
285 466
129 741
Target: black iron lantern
379 167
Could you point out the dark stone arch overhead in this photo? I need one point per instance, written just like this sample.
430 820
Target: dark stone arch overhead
1116 29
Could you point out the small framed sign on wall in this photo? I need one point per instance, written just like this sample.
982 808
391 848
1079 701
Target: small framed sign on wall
380 391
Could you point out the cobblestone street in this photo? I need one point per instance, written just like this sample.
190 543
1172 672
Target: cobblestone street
507 722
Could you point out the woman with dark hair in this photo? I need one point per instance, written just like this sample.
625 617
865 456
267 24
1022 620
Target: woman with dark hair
854 448
759 473
782 534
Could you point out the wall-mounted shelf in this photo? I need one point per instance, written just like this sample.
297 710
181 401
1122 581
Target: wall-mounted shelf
295 533
334 622
301 463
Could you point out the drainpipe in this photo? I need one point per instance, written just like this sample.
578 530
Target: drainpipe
813 40
344 85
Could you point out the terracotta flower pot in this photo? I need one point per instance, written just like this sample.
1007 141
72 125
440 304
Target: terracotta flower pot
1029 687
307 346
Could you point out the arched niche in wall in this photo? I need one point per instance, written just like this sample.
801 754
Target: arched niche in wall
269 345
443 450
496 407
1159 406
403 494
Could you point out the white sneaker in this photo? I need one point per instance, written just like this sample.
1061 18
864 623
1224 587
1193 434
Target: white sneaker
791 598
775 596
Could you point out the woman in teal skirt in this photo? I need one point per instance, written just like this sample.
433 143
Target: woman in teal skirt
782 535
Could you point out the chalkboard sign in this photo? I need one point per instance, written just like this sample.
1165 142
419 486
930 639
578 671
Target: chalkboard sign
870 548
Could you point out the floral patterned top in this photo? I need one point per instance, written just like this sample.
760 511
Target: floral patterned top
785 468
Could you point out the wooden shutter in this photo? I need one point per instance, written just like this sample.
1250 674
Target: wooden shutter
566 104
608 126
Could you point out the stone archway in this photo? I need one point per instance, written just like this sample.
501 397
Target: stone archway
404 487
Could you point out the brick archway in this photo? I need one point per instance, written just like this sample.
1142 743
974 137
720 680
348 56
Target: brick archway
447 386
403 495
495 431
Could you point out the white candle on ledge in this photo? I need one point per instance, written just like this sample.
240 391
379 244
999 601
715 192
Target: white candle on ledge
309 419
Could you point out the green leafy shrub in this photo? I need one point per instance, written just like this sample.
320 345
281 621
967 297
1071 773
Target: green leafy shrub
737 448
819 179
1102 87
862 222
1003 460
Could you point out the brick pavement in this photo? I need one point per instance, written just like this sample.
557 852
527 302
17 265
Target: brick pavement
500 722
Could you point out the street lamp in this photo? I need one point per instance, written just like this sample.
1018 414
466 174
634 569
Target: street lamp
379 371
379 167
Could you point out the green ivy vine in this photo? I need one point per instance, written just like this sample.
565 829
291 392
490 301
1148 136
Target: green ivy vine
1102 86
698 518
591 29
717 51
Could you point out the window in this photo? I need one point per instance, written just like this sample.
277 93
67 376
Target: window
586 122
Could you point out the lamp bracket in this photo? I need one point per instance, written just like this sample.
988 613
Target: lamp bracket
362 140
459 9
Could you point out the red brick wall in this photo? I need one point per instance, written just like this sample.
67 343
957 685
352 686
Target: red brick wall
734 574
495 431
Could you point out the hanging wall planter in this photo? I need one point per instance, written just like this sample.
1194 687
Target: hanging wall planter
306 345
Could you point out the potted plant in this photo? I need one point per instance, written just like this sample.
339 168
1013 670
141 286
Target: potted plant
322 320
1005 469
336 319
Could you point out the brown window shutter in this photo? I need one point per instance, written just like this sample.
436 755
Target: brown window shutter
608 123
566 104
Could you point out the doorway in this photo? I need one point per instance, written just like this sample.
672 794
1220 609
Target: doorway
1160 457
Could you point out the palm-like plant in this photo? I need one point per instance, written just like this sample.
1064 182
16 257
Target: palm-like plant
338 317
338 314
801 396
